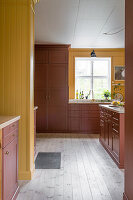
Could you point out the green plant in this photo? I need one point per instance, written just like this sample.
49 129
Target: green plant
107 94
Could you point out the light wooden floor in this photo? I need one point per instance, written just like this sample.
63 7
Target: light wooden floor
87 172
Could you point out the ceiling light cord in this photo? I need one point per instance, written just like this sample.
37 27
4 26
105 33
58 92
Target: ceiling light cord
114 33
76 20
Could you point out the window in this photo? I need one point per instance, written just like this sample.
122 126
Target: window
92 76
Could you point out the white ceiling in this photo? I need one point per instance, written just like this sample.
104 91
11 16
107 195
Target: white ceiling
81 23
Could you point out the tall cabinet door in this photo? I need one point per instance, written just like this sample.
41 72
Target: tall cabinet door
51 87
41 96
9 169
57 97
41 84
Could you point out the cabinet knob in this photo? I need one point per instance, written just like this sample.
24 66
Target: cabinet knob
7 152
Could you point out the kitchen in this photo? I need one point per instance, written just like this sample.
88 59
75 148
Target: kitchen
63 111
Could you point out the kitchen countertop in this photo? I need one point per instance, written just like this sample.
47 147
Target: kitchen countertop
7 120
117 109
86 101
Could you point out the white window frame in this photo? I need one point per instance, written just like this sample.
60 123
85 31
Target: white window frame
91 76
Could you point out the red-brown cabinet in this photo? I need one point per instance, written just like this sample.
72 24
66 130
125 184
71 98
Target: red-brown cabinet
10 161
35 109
83 118
51 87
112 134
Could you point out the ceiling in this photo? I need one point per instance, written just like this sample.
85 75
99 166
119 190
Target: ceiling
81 23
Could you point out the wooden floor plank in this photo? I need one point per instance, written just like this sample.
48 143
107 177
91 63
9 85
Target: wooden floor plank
87 171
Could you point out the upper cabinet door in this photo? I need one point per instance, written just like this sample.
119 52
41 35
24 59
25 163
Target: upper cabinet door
41 71
41 56
58 56
57 75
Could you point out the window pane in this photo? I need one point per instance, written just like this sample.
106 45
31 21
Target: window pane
100 68
99 85
92 74
82 67
83 84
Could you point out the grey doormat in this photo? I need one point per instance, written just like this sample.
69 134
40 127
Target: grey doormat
48 160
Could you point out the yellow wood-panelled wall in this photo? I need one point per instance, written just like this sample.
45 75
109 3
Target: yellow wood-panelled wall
16 75
0 163
117 59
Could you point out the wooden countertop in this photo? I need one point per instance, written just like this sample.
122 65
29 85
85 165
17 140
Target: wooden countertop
7 120
117 109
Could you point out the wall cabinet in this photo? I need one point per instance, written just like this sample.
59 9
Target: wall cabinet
84 118
51 87
112 134
10 161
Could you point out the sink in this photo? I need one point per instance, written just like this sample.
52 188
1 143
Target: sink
113 106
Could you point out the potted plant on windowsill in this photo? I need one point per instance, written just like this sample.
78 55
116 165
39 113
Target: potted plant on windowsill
107 94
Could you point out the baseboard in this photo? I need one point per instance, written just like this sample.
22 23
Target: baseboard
26 175
62 135
125 196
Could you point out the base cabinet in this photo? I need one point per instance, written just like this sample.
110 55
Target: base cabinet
116 145
83 118
10 183
112 134
10 162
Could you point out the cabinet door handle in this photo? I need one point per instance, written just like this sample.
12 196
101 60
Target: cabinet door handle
7 152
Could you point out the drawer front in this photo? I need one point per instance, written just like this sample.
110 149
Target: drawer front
90 114
74 107
8 129
90 107
115 117
74 113
115 120
115 127
101 122
9 138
